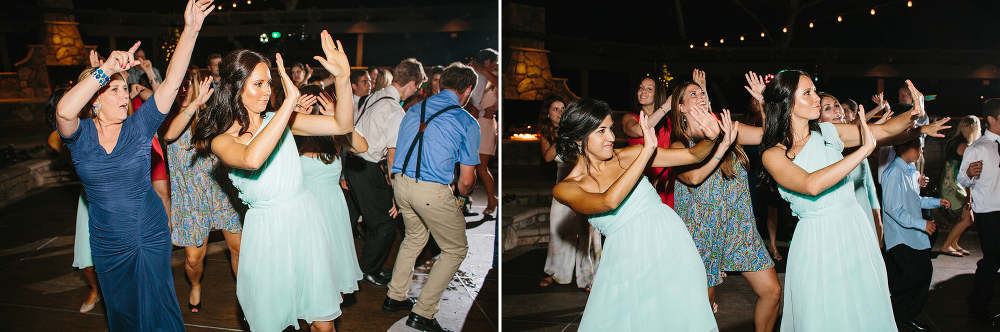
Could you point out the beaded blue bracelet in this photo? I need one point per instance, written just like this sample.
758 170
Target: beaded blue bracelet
100 76
716 158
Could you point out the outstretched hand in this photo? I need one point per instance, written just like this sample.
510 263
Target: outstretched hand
755 86
205 91
305 103
729 128
326 103
698 76
649 141
336 60
885 116
195 13
120 61
706 121
867 138
95 59
934 129
918 100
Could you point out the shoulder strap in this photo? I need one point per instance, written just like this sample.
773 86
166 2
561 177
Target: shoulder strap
418 140
367 106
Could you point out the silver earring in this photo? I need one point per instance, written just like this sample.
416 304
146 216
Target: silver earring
95 109
579 147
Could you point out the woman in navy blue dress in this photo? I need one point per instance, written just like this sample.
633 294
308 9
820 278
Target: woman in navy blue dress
129 234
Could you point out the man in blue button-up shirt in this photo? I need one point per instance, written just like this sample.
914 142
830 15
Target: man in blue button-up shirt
907 258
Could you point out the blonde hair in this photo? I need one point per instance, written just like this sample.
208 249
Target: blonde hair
382 80
969 129
93 113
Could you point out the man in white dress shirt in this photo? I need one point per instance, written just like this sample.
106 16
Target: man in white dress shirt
980 170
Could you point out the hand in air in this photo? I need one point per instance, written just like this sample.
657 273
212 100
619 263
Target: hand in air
205 91
934 129
195 13
885 116
95 59
326 104
291 91
305 103
729 128
755 86
708 123
336 60
649 140
918 100
698 76
120 61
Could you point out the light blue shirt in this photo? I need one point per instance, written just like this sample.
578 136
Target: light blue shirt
452 137
901 205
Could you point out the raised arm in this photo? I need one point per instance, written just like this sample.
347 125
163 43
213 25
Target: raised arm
78 98
194 16
789 175
678 157
571 194
851 137
182 120
343 120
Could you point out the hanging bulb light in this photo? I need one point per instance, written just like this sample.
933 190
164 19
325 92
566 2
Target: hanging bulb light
873 11
234 5
810 25
762 34
722 41
692 45
909 3
220 7
741 38
248 2
840 18
706 43
784 30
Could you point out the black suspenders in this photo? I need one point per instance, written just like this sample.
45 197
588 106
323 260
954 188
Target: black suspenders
418 141
367 106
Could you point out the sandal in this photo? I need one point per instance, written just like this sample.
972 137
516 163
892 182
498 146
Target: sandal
546 281
963 251
195 308
955 253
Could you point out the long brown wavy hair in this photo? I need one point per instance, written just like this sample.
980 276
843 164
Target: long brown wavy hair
678 133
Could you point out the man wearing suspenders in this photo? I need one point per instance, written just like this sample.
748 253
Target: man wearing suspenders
367 176
433 136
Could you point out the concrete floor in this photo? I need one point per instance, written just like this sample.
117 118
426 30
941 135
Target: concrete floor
529 307
41 291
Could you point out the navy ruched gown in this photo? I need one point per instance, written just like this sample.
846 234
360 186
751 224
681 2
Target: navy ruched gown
129 234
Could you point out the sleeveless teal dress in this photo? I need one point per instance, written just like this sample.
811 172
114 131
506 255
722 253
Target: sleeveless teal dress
323 181
651 277
287 268
835 279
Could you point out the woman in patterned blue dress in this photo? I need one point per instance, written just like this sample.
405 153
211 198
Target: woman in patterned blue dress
651 277
713 199
129 235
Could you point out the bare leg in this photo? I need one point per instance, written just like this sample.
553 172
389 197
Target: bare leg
964 221
92 280
711 295
233 241
322 326
765 284
772 232
162 188
483 172
194 267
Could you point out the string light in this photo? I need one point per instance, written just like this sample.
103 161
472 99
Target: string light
741 38
706 43
762 34
873 11
220 7
840 18
692 45
784 30
234 5
722 41
248 2
909 3
810 25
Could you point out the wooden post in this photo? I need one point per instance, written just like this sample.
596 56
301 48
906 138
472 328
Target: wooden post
361 47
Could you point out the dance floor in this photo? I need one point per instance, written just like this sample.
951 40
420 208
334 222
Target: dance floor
529 307
41 291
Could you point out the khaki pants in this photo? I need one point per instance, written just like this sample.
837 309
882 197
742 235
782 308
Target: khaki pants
427 206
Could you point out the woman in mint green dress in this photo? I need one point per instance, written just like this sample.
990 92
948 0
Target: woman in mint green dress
835 279
287 268
321 169
651 277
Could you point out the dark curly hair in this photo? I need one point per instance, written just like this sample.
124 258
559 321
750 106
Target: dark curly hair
226 106
579 120
779 97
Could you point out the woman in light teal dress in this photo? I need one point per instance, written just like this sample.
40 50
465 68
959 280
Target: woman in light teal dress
321 170
651 277
288 269
835 279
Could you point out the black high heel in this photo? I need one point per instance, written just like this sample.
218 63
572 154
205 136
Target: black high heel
194 308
